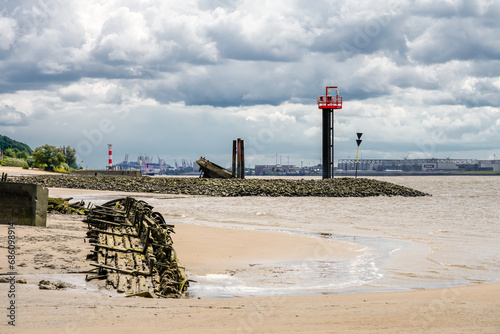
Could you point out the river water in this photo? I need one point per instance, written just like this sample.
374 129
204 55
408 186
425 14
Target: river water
447 239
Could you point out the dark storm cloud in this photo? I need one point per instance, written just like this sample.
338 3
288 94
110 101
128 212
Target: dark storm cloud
401 66
456 39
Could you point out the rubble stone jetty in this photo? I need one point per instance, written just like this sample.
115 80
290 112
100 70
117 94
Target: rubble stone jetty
337 187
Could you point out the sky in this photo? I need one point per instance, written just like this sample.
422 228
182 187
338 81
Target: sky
183 79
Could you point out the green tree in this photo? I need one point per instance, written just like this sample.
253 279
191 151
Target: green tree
50 155
22 155
10 152
70 156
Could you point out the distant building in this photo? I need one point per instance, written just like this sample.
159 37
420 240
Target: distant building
493 165
419 165
279 170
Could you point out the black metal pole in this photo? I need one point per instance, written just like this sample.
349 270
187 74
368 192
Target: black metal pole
356 176
358 142
332 131
238 155
242 148
327 143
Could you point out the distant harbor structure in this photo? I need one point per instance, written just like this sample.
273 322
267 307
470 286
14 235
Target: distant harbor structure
148 166
285 170
419 165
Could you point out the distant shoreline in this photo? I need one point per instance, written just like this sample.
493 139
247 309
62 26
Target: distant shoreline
15 171
370 173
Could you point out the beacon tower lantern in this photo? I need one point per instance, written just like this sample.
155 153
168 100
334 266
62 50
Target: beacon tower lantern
328 103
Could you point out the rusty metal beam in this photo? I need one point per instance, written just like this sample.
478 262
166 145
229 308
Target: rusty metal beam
242 154
233 170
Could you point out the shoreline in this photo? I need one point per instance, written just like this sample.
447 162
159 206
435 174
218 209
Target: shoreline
59 249
59 253
314 248
16 171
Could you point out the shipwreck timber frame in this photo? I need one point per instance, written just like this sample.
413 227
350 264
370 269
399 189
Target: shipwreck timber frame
133 249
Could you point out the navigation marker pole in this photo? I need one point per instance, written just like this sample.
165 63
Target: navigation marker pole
358 141
328 103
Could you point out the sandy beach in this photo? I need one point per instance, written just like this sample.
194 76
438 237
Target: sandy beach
58 253
20 171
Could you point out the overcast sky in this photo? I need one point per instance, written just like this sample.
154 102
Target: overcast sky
182 79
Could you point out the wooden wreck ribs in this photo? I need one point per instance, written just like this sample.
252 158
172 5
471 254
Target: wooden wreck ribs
133 249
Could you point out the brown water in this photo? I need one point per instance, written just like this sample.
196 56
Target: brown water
449 238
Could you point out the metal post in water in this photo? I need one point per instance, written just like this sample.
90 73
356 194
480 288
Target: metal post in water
234 159
242 150
238 167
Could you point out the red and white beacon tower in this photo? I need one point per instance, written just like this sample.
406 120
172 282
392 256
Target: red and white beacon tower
328 103
110 159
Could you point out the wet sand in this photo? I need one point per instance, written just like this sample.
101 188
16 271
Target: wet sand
58 253
472 309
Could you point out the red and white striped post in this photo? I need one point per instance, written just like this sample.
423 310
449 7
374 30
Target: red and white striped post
110 152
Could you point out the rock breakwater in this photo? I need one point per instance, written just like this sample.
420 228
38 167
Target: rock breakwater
337 187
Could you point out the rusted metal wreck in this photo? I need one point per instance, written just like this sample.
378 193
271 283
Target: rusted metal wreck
133 249
212 170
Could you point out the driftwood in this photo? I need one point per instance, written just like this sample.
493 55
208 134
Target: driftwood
62 205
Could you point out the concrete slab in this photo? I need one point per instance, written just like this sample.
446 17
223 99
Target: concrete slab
23 204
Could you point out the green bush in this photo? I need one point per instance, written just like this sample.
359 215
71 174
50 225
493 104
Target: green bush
63 168
13 162
25 165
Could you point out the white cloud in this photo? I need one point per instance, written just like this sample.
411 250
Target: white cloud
221 69
11 117
313 131
8 35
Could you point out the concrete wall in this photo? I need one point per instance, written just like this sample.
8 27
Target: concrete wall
108 172
23 204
